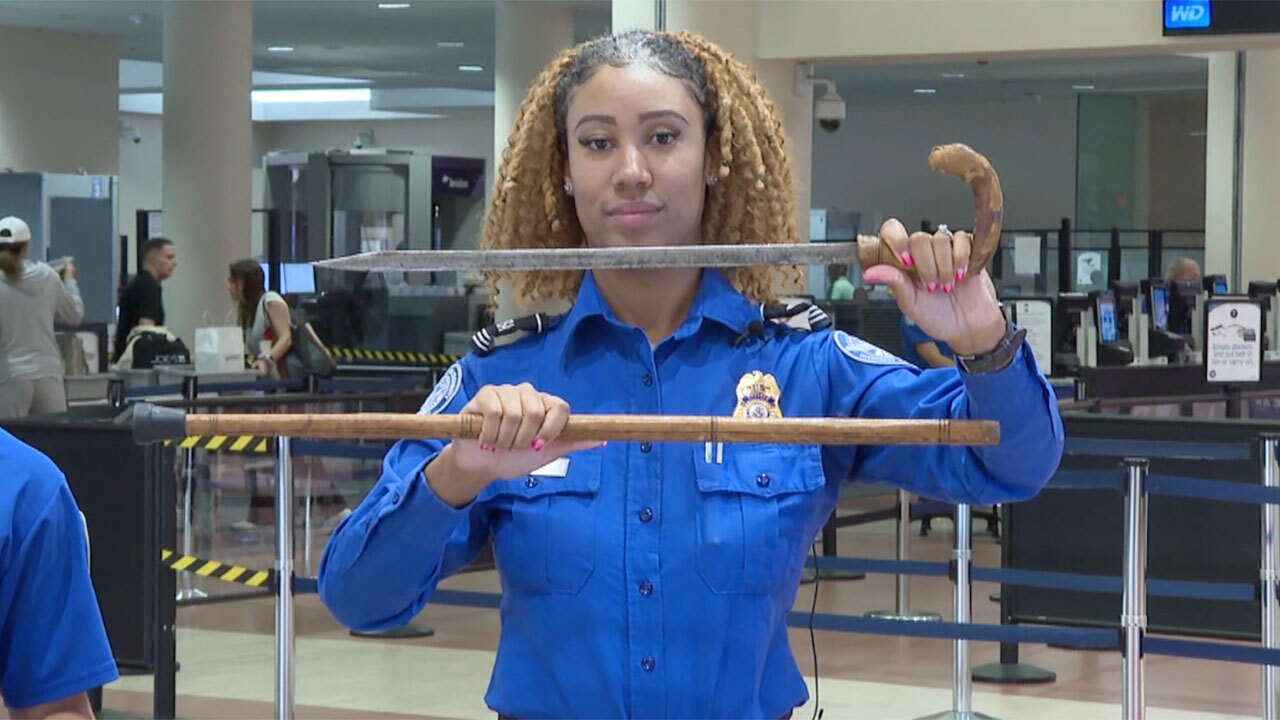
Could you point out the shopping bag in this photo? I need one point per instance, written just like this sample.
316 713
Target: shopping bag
219 349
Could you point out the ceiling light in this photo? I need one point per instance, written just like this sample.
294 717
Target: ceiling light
1081 87
314 96
924 91
450 44
471 68
279 48
952 75
392 6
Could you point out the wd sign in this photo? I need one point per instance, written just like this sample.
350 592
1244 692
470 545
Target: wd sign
1185 14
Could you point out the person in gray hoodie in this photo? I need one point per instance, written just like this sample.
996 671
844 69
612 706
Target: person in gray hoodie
32 296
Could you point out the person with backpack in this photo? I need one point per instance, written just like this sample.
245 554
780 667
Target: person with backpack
267 323
263 315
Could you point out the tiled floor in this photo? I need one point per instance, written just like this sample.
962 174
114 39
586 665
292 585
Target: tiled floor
226 651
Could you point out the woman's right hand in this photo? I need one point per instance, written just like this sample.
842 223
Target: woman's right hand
518 435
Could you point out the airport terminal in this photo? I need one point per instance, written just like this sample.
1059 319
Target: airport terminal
640 358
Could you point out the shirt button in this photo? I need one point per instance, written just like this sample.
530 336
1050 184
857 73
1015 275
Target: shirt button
763 480
646 515
646 447
646 588
648 664
647 379
531 482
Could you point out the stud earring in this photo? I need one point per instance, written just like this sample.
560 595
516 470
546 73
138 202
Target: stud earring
568 188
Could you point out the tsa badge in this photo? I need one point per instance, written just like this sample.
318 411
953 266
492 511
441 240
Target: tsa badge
758 397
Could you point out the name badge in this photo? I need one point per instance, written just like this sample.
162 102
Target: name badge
557 468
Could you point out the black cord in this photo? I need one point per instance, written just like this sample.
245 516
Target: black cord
813 640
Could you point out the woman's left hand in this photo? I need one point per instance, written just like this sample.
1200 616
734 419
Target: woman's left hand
263 367
948 305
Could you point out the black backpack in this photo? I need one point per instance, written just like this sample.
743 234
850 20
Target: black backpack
158 348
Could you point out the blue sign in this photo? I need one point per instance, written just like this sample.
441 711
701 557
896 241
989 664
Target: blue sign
1185 14
96 187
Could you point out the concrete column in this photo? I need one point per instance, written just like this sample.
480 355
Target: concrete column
208 140
1220 165
732 24
636 14
527 35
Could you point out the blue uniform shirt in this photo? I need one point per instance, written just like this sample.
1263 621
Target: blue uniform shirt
654 580
52 641
911 335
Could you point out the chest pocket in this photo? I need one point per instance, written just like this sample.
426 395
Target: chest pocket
544 527
753 512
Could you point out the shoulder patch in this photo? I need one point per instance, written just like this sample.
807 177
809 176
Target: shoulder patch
444 391
864 352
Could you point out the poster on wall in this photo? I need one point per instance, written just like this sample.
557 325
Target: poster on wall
1233 340
1090 275
1036 317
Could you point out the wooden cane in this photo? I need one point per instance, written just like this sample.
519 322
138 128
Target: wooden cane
971 166
168 423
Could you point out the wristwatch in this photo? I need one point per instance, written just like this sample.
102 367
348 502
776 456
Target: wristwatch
999 357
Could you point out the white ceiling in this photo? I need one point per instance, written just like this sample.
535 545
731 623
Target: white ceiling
395 52
1017 80
342 38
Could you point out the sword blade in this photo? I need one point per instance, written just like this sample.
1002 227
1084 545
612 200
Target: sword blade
595 258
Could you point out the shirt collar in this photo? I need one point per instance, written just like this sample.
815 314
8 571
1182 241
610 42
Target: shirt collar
717 300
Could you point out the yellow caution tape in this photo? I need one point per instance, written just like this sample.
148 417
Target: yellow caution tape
217 570
224 443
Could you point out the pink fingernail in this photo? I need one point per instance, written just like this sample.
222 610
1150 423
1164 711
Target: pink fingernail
907 260
485 448
960 274
949 288
931 287
537 444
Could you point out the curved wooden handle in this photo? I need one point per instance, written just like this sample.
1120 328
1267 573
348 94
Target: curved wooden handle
969 165
660 428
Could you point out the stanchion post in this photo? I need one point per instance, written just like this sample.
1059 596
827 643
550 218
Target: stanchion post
190 389
902 586
1133 618
161 496
962 686
284 579
1267 575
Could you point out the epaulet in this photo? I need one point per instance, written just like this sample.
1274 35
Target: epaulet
818 320
483 339
778 314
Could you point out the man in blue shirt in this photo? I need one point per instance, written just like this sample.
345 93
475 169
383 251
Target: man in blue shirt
53 646
654 579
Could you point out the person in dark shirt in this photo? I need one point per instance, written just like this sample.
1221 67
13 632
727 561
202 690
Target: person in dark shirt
142 303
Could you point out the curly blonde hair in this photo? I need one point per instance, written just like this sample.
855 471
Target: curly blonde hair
753 202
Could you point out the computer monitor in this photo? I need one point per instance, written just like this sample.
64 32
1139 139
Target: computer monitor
1124 290
1108 330
1261 289
1182 301
1158 299
1215 284
295 278
298 279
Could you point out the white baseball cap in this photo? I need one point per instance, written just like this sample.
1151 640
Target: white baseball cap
13 231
